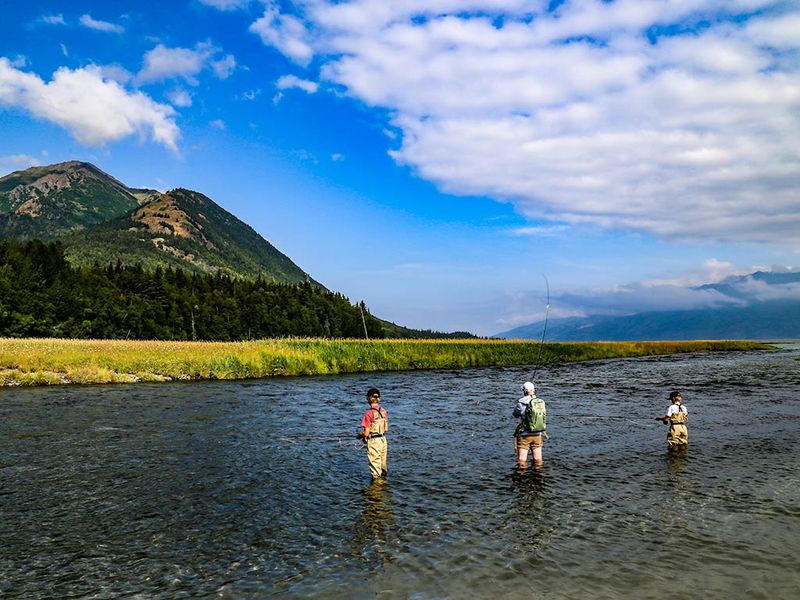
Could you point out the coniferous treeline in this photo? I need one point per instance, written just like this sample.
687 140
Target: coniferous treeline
42 295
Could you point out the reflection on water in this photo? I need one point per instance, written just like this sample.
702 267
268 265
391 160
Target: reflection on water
258 489
375 527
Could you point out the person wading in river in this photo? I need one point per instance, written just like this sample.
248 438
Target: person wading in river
676 418
532 413
375 424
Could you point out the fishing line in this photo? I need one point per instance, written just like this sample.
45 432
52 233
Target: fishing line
544 329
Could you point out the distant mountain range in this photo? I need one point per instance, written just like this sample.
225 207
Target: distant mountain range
99 219
762 306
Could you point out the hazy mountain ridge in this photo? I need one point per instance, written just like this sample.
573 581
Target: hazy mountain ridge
761 305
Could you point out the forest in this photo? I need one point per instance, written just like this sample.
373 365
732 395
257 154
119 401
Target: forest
43 295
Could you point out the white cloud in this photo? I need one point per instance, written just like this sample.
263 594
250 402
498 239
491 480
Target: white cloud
286 33
224 67
291 81
250 95
94 109
674 118
116 73
217 124
19 62
226 4
162 63
636 298
53 19
540 231
20 161
337 157
88 21
180 97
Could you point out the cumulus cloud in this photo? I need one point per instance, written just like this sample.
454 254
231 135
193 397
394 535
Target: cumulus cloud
89 22
95 110
285 32
673 118
292 81
163 63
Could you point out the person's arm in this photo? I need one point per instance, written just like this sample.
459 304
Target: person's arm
519 410
366 422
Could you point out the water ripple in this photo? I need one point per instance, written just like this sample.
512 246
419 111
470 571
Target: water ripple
259 489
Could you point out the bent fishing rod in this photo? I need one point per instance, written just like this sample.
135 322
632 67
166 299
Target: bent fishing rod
544 329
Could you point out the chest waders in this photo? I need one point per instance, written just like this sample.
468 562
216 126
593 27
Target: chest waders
678 434
377 446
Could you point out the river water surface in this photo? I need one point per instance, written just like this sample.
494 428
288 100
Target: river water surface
257 489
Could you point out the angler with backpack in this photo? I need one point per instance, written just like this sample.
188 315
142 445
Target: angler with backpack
529 434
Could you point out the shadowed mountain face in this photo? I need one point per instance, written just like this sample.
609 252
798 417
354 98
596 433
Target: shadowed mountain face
45 202
99 219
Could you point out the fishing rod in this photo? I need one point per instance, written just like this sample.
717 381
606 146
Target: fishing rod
544 329
319 437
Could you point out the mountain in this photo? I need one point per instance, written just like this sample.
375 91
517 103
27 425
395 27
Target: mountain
183 229
99 219
761 306
746 286
45 202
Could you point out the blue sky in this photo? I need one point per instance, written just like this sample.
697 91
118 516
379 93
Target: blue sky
436 158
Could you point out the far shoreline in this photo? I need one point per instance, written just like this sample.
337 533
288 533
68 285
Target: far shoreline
38 362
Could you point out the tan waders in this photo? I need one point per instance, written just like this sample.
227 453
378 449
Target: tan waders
678 434
377 450
377 446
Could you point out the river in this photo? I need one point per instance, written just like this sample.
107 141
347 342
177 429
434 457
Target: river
257 489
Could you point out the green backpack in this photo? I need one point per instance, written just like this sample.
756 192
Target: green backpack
534 419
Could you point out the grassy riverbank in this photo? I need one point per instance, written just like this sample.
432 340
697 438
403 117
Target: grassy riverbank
56 361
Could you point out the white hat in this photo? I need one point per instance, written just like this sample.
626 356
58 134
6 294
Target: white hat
528 387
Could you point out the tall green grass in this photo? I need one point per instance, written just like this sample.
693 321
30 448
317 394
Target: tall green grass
57 361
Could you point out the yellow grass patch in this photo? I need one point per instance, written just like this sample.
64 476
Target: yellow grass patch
55 361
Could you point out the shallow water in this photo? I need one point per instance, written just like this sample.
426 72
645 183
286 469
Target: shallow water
222 490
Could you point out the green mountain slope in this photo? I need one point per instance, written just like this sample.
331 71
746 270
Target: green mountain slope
45 202
184 229
101 220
